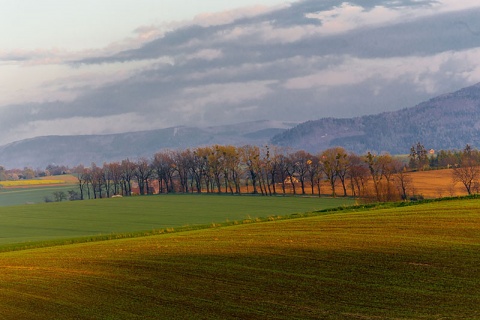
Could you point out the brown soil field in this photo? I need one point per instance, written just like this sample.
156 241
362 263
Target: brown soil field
429 184
436 184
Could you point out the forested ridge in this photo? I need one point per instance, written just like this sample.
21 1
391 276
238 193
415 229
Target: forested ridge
446 122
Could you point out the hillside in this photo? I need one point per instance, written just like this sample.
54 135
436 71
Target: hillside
74 150
418 262
449 121
73 219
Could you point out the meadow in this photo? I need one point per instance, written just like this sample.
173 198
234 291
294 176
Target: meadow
89 218
415 262
30 195
21 192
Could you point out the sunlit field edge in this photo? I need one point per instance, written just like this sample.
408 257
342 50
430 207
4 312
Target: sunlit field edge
415 262
29 225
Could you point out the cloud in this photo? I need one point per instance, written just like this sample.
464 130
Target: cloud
306 60
313 28
206 54
423 71
37 56
349 16
230 16
268 33
197 102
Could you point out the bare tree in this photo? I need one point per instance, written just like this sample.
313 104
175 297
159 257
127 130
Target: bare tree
302 162
358 174
182 164
265 169
96 180
333 162
143 172
115 171
231 169
313 173
281 162
381 171
82 174
291 169
250 156
342 167
274 167
199 167
128 169
403 182
107 179
468 172
206 153
164 167
215 165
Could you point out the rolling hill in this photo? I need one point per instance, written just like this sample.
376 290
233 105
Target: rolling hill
417 262
448 121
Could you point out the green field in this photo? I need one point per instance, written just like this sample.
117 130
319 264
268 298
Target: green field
37 194
418 262
64 220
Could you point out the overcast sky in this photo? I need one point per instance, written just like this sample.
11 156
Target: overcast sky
89 67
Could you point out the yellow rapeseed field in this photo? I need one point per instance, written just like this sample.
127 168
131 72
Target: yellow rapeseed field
29 183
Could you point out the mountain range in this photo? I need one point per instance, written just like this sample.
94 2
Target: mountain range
449 121
84 149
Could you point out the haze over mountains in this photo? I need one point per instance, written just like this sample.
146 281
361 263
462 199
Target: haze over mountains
449 121
85 149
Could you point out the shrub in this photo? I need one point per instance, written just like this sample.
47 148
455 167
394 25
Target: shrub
417 197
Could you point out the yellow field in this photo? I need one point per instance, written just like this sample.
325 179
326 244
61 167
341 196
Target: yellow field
29 183
66 178
40 182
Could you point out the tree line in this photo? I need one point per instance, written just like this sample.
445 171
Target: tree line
267 171
250 169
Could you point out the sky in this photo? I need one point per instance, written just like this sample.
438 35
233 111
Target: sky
99 67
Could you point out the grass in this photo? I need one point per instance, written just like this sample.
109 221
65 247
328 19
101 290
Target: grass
414 262
29 195
33 191
48 222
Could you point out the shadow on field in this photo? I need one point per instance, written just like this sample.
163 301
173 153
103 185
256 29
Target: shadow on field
313 268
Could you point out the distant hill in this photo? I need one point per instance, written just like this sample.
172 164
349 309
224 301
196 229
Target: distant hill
73 150
448 121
